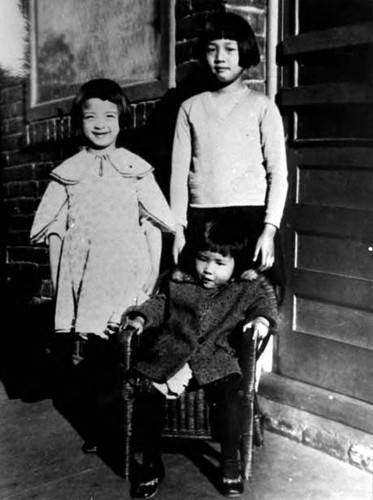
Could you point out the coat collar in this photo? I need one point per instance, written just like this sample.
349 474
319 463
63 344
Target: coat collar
126 163
180 276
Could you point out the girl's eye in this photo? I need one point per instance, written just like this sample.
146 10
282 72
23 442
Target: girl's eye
201 258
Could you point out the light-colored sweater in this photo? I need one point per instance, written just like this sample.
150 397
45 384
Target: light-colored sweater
233 159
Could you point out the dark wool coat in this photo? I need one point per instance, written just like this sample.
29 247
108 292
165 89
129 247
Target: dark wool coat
185 322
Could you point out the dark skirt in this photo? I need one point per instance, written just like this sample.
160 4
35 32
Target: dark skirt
251 220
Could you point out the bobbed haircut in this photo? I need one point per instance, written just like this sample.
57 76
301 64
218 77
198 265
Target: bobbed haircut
230 26
105 89
218 234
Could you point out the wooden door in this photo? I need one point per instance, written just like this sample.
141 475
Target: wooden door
326 96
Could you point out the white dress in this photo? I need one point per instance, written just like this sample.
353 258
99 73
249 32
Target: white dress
99 206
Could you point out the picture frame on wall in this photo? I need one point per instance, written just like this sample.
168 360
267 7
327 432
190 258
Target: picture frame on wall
72 42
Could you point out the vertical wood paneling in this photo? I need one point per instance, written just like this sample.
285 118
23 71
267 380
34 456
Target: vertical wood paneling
334 322
326 95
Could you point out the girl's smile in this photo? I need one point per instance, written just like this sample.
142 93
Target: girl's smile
100 123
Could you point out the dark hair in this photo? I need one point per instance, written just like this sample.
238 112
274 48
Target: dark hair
231 27
105 89
221 235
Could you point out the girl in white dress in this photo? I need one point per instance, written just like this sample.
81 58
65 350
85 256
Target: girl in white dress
101 216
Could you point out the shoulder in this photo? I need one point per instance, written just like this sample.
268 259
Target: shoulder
194 101
255 96
257 284
258 101
71 170
179 276
250 275
130 164
254 279
172 280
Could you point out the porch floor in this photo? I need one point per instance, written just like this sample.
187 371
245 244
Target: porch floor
40 458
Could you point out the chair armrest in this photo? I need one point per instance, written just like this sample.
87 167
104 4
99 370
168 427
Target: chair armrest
126 338
248 360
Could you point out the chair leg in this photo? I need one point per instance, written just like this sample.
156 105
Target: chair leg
124 349
127 398
249 354
258 424
247 440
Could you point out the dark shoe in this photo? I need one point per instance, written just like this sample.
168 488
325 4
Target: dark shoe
89 447
231 487
146 489
147 484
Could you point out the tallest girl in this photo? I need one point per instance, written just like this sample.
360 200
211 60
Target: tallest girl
229 148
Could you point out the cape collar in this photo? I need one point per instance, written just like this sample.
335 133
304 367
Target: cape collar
127 164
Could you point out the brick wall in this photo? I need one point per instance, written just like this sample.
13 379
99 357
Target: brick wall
30 151
254 11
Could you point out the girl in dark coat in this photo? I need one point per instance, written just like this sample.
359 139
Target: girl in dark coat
189 333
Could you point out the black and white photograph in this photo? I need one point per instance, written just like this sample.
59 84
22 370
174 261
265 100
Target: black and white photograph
186 256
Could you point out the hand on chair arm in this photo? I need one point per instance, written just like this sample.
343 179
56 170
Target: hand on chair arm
135 322
259 326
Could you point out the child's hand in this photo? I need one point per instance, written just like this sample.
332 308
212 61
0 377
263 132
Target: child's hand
136 322
259 326
179 243
266 248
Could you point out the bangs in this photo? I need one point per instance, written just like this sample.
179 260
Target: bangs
221 27
223 249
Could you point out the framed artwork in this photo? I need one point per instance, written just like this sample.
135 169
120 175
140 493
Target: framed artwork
73 42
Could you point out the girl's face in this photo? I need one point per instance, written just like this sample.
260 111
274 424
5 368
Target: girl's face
100 123
214 269
222 57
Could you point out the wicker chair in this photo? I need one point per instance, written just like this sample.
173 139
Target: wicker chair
189 416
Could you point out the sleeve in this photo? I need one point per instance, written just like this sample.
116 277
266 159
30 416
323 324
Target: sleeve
273 144
180 167
264 302
153 205
51 215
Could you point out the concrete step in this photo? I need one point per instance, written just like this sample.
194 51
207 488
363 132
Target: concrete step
329 422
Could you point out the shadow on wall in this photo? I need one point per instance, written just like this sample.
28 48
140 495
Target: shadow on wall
25 367
154 141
